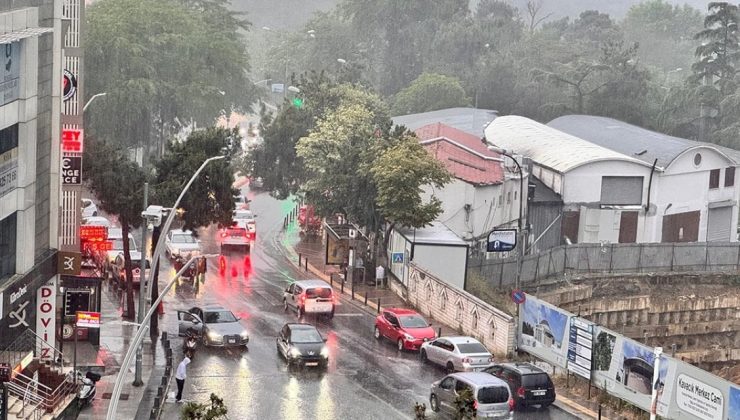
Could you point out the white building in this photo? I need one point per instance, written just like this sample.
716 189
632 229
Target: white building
694 194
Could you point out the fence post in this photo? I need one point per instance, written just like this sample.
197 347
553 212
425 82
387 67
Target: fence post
549 261
501 276
639 259
366 298
611 268
673 254
378 310
306 260
352 288
342 288
706 257
565 258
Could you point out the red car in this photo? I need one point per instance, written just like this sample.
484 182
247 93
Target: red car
405 327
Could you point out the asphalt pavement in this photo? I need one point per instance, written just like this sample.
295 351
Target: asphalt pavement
365 378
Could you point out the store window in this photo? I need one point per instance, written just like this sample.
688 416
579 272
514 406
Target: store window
7 247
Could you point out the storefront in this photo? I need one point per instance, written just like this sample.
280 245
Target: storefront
79 293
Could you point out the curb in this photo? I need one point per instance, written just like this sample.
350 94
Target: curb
355 297
573 408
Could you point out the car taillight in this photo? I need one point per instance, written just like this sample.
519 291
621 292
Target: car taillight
303 299
511 404
520 392
466 360
223 234
475 404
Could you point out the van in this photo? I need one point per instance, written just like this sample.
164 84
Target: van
491 396
310 297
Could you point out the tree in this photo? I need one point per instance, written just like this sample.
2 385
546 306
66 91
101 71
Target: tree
465 405
198 411
163 63
534 7
430 92
118 185
210 199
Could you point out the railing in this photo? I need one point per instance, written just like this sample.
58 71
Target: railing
32 392
29 399
28 341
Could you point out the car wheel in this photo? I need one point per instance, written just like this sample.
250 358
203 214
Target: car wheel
400 344
376 333
423 356
331 314
434 403
450 367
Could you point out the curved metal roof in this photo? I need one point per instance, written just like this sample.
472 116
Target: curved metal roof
547 146
633 141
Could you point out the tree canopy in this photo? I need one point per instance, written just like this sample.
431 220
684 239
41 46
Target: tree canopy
430 92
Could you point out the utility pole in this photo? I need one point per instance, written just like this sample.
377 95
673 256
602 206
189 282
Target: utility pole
142 276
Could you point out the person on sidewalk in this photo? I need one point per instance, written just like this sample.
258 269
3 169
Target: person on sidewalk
180 376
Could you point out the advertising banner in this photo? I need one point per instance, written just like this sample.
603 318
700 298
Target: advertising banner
88 319
71 170
544 331
46 302
8 171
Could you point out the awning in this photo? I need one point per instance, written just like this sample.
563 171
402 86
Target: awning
16 36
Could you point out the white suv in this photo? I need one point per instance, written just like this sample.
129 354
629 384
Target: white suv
182 243
310 297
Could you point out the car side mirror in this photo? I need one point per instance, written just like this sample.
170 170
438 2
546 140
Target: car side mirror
430 324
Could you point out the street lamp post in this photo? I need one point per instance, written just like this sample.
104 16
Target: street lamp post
520 242
139 336
89 101
142 274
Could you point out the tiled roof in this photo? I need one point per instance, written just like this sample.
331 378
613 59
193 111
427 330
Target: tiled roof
463 154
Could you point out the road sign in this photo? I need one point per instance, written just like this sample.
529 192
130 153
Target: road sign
397 258
88 319
518 296
501 240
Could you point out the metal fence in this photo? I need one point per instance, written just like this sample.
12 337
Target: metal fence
611 259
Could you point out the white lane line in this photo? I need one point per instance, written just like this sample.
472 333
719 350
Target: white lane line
351 314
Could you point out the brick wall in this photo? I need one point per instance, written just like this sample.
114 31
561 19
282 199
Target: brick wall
459 309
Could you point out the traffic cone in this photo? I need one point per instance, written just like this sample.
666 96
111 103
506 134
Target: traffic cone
160 308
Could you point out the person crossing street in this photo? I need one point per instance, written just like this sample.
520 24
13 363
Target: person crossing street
180 376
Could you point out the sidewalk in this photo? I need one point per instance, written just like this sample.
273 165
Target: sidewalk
106 359
310 254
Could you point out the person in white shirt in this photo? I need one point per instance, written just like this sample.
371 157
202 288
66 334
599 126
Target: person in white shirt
180 376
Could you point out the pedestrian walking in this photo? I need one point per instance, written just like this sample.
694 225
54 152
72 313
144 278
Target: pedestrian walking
180 376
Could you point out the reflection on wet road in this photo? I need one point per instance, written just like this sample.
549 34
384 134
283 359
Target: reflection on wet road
365 378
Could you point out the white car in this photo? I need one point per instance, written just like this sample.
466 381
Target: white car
89 209
245 219
457 354
182 243
115 236
235 236
97 221
241 202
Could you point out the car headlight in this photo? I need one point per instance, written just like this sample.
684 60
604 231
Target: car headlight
408 336
325 352
294 352
214 336
244 335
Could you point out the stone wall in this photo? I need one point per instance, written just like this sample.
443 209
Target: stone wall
459 309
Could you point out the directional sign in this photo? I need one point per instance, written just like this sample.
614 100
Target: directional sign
501 240
518 296
580 341
397 258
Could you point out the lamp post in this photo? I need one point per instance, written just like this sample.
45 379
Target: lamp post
520 242
89 101
142 274
139 336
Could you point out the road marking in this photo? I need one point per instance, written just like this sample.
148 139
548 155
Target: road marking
267 297
352 314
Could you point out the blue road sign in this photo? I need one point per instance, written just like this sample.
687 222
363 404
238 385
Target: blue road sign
397 258
518 296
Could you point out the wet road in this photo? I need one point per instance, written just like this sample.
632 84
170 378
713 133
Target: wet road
365 378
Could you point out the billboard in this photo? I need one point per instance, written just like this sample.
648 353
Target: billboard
544 331
501 240
11 72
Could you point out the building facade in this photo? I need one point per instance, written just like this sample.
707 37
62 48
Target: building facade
30 37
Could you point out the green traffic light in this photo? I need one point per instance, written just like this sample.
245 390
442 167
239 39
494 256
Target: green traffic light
298 102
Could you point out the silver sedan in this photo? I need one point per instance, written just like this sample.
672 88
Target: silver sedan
457 354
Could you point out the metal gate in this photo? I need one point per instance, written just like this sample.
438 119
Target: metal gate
718 224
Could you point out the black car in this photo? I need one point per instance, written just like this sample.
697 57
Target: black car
302 345
529 384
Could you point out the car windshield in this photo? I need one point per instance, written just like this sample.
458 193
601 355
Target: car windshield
318 292
183 239
305 335
243 215
117 244
219 317
536 380
412 321
493 395
468 348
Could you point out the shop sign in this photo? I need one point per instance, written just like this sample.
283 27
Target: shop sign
46 318
88 319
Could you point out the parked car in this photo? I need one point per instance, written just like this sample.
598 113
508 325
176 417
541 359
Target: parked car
310 297
234 237
405 327
302 345
216 325
89 208
461 354
529 384
106 259
491 397
96 221
119 270
241 202
256 183
181 243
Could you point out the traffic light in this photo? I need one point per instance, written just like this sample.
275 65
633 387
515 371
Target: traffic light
298 102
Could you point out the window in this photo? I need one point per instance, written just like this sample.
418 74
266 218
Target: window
500 200
8 138
7 246
508 197
621 190
515 195
730 176
713 179
493 395
447 383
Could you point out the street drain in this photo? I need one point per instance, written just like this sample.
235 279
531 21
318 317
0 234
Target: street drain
107 395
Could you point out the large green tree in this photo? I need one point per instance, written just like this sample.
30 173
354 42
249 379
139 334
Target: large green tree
430 92
118 184
163 63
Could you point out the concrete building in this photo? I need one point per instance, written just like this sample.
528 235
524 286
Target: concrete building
30 34
694 193
484 193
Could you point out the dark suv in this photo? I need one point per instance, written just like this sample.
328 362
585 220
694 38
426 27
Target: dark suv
529 384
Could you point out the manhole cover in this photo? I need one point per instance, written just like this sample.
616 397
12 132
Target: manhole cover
107 395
